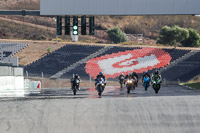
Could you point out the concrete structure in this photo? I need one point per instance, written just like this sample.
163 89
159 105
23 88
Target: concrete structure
14 61
11 81
119 7
11 71
11 86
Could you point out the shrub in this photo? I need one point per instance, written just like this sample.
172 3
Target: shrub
116 35
59 39
192 40
48 50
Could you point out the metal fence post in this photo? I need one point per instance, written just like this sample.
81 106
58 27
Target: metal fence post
90 81
42 79
179 81
164 82
27 74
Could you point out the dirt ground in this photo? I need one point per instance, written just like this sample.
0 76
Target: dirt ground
28 24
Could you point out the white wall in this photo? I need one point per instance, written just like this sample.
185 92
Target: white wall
119 7
11 86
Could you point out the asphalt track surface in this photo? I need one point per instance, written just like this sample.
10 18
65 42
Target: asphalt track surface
174 110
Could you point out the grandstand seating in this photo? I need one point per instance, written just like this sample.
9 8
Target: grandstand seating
69 54
60 59
81 69
9 49
185 70
175 54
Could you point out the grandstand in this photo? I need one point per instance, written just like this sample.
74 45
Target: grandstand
9 49
184 70
60 59
69 55
11 76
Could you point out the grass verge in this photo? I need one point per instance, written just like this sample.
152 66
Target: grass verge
193 85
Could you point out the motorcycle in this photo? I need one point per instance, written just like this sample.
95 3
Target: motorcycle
75 85
121 81
156 85
146 83
100 86
130 84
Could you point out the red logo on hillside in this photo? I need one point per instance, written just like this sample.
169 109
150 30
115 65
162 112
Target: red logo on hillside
138 60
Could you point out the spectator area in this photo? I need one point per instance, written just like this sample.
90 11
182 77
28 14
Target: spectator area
70 54
185 70
175 54
60 59
9 49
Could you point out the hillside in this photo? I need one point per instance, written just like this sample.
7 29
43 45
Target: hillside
149 26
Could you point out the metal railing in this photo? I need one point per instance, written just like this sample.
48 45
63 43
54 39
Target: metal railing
20 12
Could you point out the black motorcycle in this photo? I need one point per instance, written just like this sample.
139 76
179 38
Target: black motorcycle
121 81
75 85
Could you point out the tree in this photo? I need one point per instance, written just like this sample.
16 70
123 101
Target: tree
116 35
193 40
166 36
172 35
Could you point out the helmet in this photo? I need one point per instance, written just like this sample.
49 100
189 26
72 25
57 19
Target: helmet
129 74
100 73
156 71
122 74
76 76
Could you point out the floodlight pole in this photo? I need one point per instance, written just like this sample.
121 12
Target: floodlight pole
56 38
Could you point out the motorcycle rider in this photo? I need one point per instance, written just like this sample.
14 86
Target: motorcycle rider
134 74
100 75
76 76
121 76
156 75
144 75
129 76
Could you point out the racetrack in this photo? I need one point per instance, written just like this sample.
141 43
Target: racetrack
174 110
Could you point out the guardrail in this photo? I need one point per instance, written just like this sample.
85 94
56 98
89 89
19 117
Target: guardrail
20 12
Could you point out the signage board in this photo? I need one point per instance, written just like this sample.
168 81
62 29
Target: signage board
119 7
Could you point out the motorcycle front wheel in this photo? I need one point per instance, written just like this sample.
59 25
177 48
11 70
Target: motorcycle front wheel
121 85
146 86
156 88
74 91
128 90
100 90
